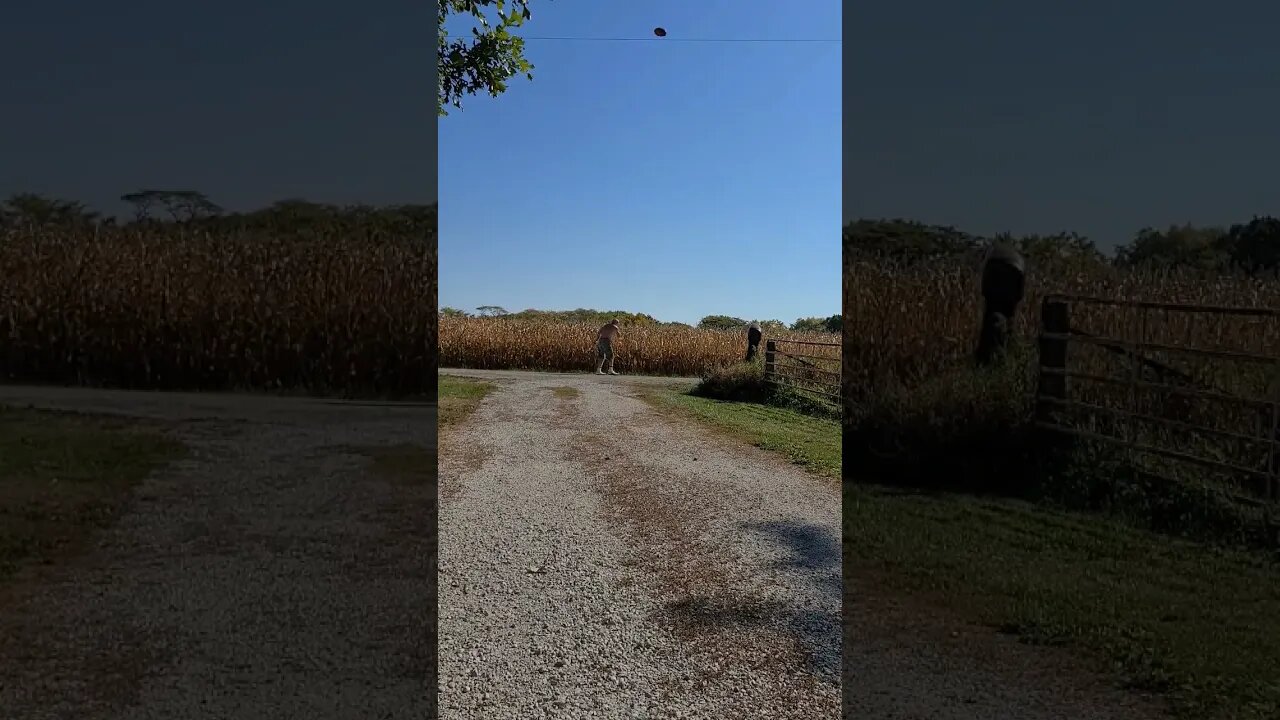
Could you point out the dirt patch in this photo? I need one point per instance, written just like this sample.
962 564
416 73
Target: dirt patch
702 607
65 477
565 392
457 456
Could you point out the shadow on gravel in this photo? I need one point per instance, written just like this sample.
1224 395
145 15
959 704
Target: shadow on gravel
813 555
812 547
812 566
815 633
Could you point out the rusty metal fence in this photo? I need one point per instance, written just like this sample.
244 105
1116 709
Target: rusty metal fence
1171 385
807 367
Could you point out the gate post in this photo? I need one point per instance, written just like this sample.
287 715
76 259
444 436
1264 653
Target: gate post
770 355
1273 456
1055 319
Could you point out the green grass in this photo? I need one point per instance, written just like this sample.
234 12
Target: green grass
459 397
1115 578
565 393
64 477
811 442
1198 625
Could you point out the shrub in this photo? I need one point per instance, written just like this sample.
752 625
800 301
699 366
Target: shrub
967 429
971 430
745 382
737 382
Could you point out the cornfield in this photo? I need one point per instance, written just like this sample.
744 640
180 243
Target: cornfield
909 326
497 343
915 323
167 308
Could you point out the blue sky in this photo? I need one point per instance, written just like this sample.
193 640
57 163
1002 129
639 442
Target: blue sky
676 179
249 102
1033 117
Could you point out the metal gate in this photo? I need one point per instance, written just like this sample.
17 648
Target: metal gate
1117 372
811 368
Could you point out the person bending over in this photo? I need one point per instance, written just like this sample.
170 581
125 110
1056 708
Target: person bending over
753 340
604 347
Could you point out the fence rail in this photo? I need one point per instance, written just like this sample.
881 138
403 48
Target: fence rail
1147 411
809 373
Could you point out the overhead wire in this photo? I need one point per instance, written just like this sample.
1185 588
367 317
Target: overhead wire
680 40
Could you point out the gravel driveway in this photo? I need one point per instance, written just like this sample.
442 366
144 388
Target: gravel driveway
273 574
596 561
600 561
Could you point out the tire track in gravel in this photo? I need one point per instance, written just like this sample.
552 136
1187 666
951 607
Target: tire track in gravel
272 574
602 561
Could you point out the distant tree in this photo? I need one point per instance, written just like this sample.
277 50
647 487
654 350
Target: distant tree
1255 246
143 202
585 315
187 205
297 218
296 211
407 216
772 325
1179 246
489 58
305 219
179 205
809 324
721 322
35 209
1053 249
904 241
817 324
491 311
453 312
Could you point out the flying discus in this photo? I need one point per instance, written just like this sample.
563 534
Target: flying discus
659 32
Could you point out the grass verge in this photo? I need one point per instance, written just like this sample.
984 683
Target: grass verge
811 442
64 477
1193 623
459 397
971 511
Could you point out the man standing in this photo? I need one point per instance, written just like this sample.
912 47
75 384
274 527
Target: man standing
604 347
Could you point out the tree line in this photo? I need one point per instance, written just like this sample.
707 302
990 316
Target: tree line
583 315
195 210
1251 247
